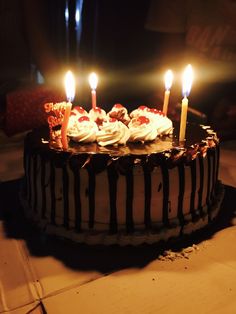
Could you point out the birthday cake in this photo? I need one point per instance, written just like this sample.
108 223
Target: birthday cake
120 178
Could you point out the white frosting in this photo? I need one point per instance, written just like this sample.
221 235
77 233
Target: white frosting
113 132
142 129
82 129
98 115
163 124
116 127
140 111
79 111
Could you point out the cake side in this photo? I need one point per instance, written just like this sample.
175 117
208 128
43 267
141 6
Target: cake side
124 194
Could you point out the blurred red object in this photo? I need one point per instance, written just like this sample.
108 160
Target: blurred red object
25 108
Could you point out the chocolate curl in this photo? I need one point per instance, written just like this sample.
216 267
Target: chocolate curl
210 142
120 115
192 153
203 149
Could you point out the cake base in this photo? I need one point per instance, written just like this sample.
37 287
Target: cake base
173 232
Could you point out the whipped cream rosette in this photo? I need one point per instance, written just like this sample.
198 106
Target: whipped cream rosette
82 129
113 132
78 111
98 115
142 129
140 111
163 124
120 113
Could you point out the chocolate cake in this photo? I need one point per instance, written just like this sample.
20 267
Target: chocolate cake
139 192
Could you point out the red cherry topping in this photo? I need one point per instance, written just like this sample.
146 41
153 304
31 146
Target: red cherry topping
79 109
97 109
83 118
118 106
142 107
112 120
143 120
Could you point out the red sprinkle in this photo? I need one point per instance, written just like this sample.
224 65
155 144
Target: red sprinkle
143 120
112 120
83 118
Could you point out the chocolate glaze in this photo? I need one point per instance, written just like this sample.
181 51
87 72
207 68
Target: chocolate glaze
193 192
43 172
66 196
74 164
53 196
201 174
112 178
147 196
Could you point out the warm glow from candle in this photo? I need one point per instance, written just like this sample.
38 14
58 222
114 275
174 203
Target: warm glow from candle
70 86
93 80
168 79
168 84
187 80
187 84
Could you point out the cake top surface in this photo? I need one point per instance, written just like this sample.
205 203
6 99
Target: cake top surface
143 131
198 137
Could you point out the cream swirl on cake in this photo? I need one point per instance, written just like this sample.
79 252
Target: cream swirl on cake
78 111
140 111
142 129
113 132
82 129
163 124
98 115
120 113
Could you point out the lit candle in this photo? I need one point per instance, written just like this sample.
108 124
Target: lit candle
187 84
93 81
168 84
70 93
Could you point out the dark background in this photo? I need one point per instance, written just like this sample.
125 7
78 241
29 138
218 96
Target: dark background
113 42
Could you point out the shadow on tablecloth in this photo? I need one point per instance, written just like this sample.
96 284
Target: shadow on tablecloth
102 259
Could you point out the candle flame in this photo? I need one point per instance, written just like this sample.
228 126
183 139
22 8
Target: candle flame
168 79
93 80
70 86
187 80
